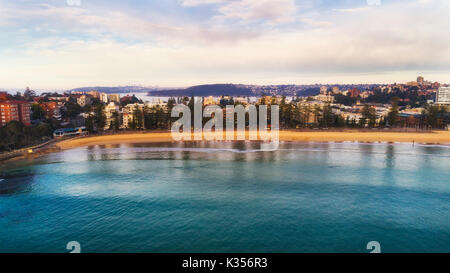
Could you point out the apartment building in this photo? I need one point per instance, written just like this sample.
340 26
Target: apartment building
128 113
84 100
443 95
15 110
3 96
110 109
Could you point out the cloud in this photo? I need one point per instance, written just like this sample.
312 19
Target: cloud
274 11
380 42
373 2
192 3
78 19
352 10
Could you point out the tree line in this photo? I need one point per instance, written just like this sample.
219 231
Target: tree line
14 135
294 116
149 118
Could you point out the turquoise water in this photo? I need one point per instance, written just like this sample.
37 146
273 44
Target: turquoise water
229 197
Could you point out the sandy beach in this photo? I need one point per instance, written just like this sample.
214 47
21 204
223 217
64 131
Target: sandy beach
437 137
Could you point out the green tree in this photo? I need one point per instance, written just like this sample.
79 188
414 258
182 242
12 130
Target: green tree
327 117
29 94
191 107
15 135
263 100
43 130
287 113
339 121
369 116
37 112
132 124
382 122
393 115
347 121
170 105
138 118
148 118
89 123
70 110
317 114
99 117
115 123
161 117
434 115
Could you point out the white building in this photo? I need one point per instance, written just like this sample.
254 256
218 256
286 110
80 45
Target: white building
114 97
156 102
128 113
109 113
443 95
335 90
324 98
323 90
352 117
210 100
84 100
106 98
241 100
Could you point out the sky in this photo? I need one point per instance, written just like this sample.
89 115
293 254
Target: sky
64 44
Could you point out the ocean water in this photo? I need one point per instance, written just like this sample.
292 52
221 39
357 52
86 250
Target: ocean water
229 197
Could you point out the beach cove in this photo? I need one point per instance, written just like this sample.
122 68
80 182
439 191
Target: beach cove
434 137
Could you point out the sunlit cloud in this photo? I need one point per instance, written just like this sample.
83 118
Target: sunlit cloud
55 45
275 11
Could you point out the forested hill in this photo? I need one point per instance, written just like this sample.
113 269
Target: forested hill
237 90
115 89
223 90
206 90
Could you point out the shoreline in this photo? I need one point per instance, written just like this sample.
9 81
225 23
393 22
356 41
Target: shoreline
432 138
348 135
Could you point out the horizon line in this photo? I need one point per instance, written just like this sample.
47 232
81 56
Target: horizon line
15 89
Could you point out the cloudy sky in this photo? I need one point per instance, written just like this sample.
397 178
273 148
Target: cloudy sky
62 44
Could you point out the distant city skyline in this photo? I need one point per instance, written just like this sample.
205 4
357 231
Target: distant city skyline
162 88
61 45
170 87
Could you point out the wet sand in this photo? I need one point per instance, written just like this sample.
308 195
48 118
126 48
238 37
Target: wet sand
435 137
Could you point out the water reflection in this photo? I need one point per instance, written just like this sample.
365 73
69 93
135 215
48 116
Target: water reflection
389 170
390 157
15 182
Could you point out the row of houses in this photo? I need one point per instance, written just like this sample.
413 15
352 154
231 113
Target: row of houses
126 113
86 99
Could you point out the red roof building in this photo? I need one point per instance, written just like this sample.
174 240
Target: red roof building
15 110
3 96
354 93
49 108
